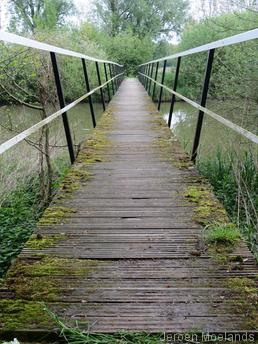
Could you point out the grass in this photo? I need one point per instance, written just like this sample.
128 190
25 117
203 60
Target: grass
73 335
235 182
19 214
227 234
18 217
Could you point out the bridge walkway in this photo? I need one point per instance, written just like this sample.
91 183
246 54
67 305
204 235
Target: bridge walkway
122 246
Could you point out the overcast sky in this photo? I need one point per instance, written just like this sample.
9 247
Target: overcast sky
83 5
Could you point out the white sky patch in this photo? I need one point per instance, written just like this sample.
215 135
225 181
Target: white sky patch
84 7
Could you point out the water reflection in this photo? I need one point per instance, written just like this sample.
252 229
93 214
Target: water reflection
214 135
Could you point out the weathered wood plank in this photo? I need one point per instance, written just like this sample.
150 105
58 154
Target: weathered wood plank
127 253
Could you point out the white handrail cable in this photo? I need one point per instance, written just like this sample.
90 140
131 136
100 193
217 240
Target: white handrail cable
31 43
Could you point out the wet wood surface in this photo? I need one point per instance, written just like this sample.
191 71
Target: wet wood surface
133 236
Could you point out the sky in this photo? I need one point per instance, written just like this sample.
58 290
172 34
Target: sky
84 7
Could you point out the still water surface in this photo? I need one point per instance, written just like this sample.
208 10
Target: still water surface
214 135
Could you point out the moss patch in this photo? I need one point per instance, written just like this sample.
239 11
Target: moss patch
55 215
244 298
39 242
42 279
172 151
89 154
208 207
19 314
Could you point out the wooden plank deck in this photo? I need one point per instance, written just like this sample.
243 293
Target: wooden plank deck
121 248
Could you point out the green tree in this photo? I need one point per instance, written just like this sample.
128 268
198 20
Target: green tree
235 68
129 50
30 15
154 18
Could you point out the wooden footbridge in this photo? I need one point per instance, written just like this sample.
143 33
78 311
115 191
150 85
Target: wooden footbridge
123 244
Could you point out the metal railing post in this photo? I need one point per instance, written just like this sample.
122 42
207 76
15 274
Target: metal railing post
205 90
144 72
147 80
162 82
106 76
156 76
141 70
116 72
112 82
151 74
62 105
101 90
86 77
174 89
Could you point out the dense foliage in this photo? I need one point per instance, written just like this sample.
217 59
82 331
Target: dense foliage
234 66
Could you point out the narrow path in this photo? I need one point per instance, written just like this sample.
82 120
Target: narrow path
121 246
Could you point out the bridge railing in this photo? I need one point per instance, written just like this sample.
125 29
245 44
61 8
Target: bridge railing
148 74
113 73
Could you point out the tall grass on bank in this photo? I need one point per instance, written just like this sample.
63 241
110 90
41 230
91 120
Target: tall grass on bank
18 215
234 178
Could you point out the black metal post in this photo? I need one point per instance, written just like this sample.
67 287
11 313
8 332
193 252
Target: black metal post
205 90
112 82
115 73
156 76
108 90
147 80
101 90
62 105
151 74
140 76
86 77
174 88
162 82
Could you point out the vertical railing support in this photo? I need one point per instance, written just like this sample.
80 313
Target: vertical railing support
151 74
156 76
106 76
86 77
101 90
111 76
62 105
115 73
173 95
205 90
147 80
162 82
